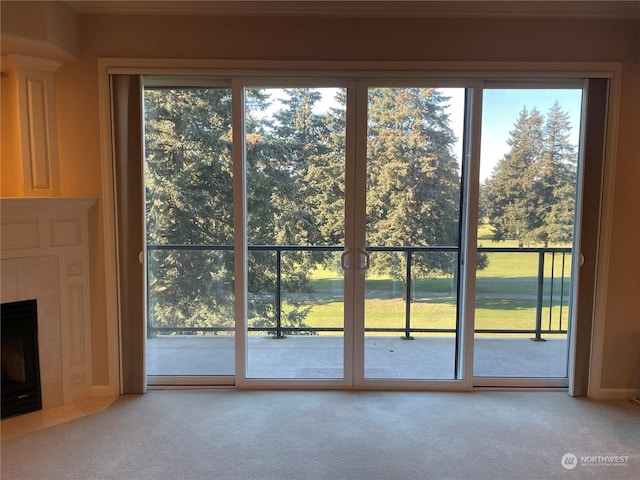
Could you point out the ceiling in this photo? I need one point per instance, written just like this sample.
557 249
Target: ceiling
382 8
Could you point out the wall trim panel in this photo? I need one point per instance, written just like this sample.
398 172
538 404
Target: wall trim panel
38 132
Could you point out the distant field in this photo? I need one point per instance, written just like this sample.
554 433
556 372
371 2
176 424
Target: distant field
437 313
507 295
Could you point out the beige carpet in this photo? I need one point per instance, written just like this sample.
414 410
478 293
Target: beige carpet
228 434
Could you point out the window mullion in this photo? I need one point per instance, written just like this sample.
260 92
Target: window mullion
239 225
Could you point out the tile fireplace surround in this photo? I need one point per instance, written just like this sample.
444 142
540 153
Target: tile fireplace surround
45 255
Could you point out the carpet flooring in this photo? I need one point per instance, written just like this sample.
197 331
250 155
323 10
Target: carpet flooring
231 434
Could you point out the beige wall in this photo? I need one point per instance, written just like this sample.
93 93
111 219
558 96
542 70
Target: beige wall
290 38
80 175
621 366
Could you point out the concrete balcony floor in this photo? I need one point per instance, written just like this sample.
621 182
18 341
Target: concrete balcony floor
386 357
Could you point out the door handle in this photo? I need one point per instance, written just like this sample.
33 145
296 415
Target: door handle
364 259
345 260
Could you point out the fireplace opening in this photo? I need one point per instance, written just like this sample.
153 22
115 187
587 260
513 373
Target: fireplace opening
20 362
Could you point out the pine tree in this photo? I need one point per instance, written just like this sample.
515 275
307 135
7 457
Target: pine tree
413 178
558 179
530 196
295 193
189 202
510 196
324 181
299 170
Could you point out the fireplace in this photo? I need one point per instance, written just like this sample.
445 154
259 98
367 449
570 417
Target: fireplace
20 361
44 253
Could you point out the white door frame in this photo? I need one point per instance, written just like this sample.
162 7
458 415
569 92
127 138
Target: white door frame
353 70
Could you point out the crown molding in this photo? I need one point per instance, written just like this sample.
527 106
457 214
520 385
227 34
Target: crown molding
584 9
43 64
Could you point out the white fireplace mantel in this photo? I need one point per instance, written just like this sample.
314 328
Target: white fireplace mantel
45 255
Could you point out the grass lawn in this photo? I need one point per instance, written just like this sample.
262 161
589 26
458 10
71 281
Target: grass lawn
506 290
437 313
511 273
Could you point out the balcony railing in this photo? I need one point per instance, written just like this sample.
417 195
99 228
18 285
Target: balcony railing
546 291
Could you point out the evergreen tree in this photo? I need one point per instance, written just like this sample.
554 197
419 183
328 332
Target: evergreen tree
189 202
511 200
298 170
530 196
324 181
413 178
295 193
558 179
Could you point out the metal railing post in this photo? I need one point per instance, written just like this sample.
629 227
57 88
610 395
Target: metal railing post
407 300
279 294
538 337
561 293
553 266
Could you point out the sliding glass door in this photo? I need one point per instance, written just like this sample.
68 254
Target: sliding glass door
529 170
414 154
189 232
295 144
308 261
325 239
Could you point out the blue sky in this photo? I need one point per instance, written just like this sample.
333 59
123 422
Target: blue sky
501 109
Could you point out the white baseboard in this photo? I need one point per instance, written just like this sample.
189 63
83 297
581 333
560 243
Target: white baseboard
100 391
614 393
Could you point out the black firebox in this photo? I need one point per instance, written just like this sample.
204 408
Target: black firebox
20 362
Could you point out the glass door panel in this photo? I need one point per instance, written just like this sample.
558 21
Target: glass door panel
413 209
189 232
399 215
295 173
528 175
